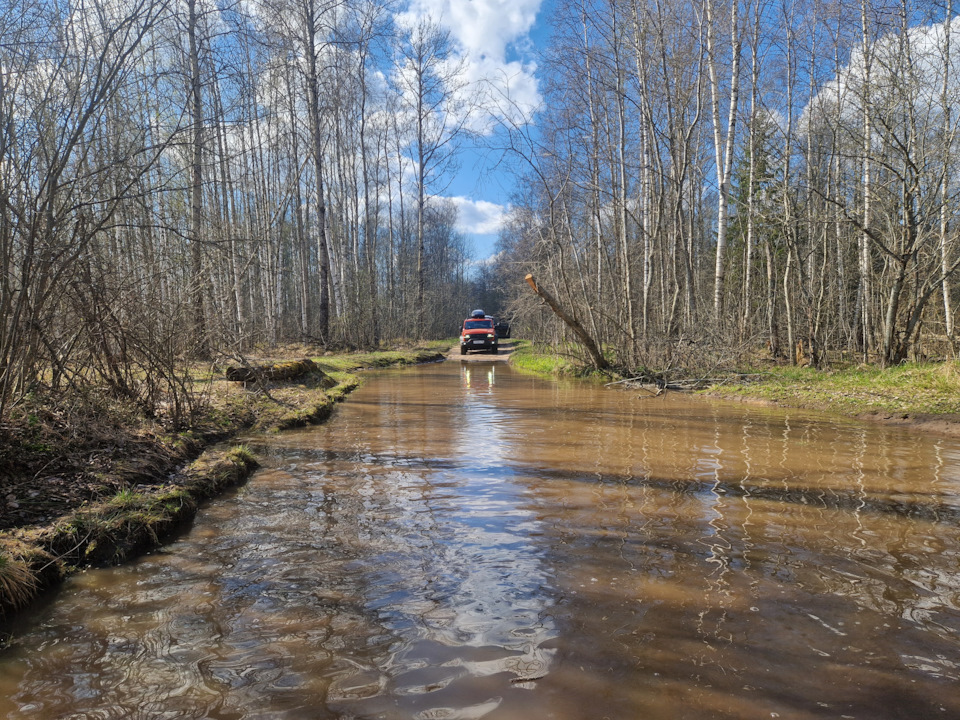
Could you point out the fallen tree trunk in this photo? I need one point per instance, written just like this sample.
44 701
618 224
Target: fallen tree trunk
599 361
279 371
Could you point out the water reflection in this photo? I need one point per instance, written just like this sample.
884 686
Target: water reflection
466 542
478 378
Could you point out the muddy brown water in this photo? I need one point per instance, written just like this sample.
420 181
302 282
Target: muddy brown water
463 541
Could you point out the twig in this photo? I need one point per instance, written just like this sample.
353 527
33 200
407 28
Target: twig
618 382
658 393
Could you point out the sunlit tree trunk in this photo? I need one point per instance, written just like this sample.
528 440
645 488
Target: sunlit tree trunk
724 135
866 269
947 133
645 205
747 297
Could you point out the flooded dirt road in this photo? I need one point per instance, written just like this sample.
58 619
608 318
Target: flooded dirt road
462 541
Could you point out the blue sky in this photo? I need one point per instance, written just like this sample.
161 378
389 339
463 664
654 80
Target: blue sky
498 39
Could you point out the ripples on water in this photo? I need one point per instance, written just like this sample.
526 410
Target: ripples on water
466 542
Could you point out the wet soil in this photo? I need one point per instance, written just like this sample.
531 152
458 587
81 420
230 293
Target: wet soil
503 356
92 462
948 425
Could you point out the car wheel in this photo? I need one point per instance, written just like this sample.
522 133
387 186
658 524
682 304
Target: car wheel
463 350
495 349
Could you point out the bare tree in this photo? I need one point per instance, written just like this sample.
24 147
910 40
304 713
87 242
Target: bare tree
724 133
429 80
57 193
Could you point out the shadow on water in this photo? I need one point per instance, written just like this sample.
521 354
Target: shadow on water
929 506
940 507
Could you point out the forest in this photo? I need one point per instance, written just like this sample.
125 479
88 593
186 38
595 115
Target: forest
736 180
705 181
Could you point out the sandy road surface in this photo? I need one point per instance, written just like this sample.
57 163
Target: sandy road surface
506 349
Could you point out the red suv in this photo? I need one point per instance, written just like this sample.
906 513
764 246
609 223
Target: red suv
478 333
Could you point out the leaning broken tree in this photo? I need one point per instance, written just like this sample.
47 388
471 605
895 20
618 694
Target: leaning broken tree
599 361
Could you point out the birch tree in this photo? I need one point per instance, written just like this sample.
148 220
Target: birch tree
724 132
429 80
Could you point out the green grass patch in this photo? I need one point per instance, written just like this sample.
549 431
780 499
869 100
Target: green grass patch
242 454
909 389
540 359
552 361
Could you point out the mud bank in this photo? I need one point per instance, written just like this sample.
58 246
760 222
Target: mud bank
117 517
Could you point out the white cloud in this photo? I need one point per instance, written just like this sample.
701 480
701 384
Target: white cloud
509 89
895 80
478 217
483 27
493 36
490 260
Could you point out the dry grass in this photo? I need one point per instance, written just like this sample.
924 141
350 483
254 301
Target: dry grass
17 582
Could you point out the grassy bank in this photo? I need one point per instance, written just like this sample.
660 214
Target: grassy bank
909 390
111 531
548 361
351 362
918 394
102 484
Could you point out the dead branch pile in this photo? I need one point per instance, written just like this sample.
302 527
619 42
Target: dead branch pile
657 384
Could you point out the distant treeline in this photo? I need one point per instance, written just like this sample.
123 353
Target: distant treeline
181 178
717 177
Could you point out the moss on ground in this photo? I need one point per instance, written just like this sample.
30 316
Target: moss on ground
428 352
